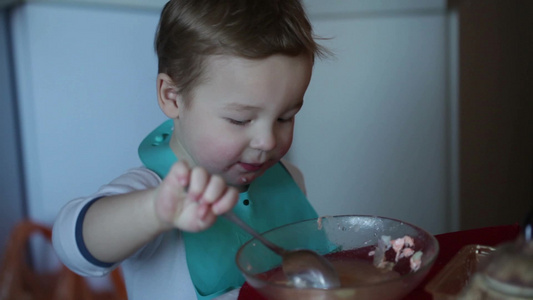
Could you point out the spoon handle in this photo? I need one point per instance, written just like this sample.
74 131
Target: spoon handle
237 221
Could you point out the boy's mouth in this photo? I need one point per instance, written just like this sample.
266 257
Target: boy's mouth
250 167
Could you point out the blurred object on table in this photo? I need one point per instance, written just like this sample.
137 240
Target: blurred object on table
508 272
456 274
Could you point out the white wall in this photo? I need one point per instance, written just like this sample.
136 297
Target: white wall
371 138
373 135
86 84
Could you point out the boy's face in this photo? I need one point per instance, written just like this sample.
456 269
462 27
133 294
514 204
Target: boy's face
240 119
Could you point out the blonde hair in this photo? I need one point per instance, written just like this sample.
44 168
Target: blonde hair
190 30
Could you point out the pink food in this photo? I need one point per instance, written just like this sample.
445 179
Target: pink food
409 242
403 248
407 252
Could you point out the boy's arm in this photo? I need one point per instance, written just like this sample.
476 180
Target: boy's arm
67 234
115 227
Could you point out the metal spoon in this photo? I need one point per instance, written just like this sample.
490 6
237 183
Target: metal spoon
304 268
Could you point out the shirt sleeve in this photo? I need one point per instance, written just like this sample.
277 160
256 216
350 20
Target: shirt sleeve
66 235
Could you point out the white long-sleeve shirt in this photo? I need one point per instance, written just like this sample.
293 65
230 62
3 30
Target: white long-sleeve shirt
156 271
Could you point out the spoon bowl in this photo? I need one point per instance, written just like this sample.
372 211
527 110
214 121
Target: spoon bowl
308 269
303 267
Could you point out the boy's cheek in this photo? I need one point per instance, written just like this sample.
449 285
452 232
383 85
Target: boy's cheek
285 145
210 154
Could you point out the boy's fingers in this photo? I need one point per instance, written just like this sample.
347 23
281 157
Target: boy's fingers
215 189
181 172
198 181
203 210
227 202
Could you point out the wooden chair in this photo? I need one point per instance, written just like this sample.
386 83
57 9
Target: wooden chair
19 281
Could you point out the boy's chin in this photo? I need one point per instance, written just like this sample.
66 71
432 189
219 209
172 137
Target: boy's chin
242 182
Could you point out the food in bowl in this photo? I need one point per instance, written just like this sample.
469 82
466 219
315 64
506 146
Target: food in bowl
400 257
403 247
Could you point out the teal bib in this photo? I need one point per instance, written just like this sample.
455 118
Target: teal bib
272 200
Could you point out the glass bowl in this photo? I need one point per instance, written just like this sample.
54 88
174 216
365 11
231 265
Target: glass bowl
360 247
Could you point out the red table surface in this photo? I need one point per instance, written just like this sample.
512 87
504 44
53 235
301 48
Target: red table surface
449 243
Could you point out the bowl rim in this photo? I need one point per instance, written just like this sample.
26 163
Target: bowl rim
426 265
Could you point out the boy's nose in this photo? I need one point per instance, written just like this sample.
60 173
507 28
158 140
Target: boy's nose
264 140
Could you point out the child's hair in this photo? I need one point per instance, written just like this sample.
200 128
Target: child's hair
190 30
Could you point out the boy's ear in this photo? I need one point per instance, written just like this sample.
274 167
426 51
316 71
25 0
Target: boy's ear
167 96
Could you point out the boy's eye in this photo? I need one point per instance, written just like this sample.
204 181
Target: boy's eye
237 122
288 120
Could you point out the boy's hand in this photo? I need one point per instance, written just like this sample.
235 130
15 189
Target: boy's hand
196 209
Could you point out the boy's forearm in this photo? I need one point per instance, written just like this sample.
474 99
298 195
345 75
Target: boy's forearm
117 226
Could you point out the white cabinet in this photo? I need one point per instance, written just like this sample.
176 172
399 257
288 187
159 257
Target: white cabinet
374 135
372 138
86 91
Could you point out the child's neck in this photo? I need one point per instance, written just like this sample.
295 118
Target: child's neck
179 150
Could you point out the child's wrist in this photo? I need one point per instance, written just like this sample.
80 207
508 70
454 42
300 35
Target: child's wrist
164 216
